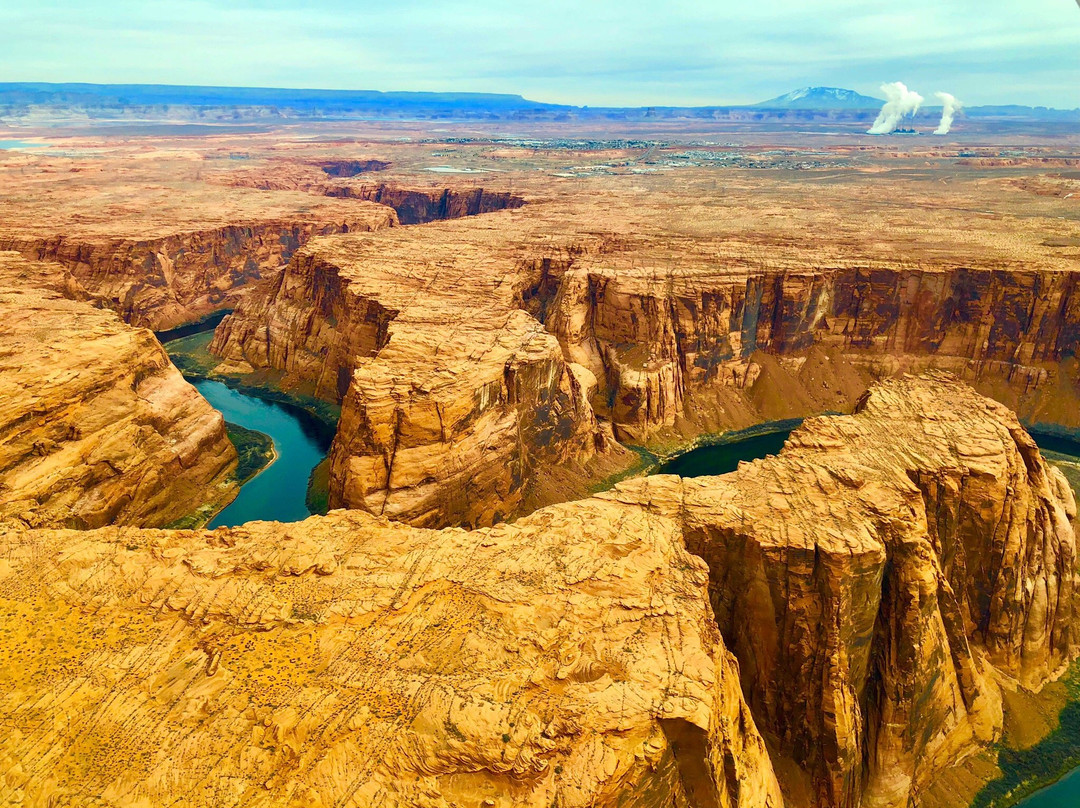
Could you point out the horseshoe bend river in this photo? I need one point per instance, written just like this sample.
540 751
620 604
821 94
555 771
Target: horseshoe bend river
279 492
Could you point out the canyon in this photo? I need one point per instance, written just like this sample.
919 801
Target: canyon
485 618
96 425
825 627
167 240
633 331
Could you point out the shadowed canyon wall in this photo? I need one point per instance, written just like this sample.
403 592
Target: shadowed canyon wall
696 351
416 206
659 354
877 576
164 282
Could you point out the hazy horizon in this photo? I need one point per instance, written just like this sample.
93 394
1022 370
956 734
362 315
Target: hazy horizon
602 54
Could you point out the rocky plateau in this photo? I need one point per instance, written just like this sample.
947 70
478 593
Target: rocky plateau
833 626
653 327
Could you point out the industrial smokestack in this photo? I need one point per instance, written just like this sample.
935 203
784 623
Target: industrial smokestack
899 101
949 107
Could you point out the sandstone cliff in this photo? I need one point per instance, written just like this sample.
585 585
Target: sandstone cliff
164 282
414 203
881 579
453 399
692 349
144 228
419 205
570 659
689 322
96 425
878 583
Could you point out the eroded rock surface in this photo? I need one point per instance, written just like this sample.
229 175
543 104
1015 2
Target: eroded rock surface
683 327
144 231
96 425
453 398
881 579
167 281
878 583
699 347
570 659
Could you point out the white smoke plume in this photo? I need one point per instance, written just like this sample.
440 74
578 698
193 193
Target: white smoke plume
949 107
899 101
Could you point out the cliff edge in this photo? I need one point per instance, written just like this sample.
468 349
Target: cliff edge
845 614
96 425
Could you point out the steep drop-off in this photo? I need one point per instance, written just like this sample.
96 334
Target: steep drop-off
570 659
663 349
881 579
414 203
164 282
879 582
685 350
419 205
454 400
96 425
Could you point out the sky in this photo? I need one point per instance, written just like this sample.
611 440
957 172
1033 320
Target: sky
595 52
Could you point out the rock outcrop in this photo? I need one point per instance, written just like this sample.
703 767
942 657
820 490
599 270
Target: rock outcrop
146 230
677 349
164 282
860 598
454 399
414 203
570 659
419 205
692 349
96 425
879 580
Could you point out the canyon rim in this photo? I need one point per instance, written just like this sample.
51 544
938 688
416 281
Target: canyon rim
429 358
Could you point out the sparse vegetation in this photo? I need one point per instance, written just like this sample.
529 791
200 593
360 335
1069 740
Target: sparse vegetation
318 492
192 357
255 450
1025 771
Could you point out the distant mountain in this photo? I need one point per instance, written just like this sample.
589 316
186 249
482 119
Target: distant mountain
110 97
822 98
122 104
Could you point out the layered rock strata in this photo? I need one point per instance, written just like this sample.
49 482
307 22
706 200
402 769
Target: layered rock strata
413 203
164 282
419 205
687 323
96 425
453 398
683 348
881 579
570 659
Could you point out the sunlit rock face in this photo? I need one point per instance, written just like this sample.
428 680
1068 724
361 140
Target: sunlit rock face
96 425
688 324
570 659
843 614
454 397
878 577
